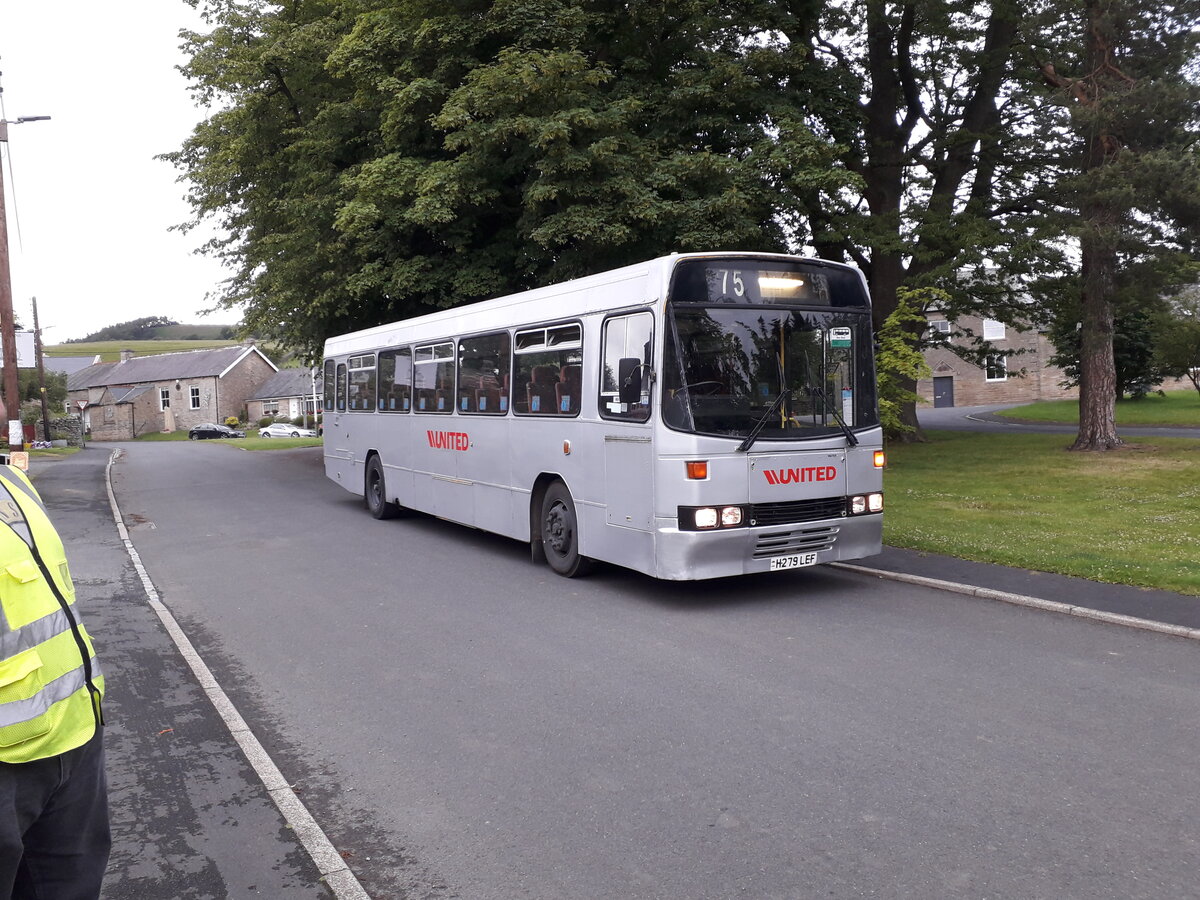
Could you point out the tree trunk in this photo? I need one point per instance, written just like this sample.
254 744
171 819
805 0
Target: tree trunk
1097 368
1099 261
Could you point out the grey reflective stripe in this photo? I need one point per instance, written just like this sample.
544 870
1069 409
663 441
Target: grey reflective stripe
17 711
15 481
36 632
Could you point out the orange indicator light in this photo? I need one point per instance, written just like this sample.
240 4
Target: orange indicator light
697 471
880 459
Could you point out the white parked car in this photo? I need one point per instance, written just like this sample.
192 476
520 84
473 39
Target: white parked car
283 429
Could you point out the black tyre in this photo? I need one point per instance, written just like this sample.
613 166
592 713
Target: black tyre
191 437
560 533
295 434
375 492
265 434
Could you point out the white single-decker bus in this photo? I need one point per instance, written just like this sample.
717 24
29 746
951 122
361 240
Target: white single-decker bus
695 416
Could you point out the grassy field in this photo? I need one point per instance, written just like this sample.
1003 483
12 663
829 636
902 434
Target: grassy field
1175 408
1127 517
110 351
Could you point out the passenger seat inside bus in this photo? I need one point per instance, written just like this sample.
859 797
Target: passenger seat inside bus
566 391
542 390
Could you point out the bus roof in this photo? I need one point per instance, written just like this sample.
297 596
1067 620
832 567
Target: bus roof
543 304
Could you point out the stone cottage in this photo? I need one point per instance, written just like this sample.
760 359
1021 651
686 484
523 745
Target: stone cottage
119 401
285 395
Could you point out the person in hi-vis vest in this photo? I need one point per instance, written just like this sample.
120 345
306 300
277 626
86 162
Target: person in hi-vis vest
54 830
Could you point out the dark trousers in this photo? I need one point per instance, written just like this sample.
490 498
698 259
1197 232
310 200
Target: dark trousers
54 833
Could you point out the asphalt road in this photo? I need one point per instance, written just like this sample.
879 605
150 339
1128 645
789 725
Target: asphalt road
464 724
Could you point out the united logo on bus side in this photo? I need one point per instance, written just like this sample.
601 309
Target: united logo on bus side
449 440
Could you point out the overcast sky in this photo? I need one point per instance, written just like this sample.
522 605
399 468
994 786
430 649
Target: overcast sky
92 203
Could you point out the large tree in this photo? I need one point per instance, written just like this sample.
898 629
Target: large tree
376 159
931 105
1127 74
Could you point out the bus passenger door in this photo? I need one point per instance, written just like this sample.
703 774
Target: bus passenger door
625 384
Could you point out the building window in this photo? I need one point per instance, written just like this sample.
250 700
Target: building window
270 408
164 398
939 331
996 367
195 397
993 330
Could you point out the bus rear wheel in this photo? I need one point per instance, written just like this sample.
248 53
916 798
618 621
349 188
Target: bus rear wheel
560 533
375 492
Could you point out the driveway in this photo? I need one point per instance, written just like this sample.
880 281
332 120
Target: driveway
984 418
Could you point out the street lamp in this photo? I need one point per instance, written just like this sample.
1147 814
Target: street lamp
8 331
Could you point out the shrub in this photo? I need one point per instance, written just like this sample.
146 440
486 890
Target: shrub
231 421
265 421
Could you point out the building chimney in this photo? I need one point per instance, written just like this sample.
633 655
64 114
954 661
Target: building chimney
126 355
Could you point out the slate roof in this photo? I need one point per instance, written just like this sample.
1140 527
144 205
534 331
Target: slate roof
125 395
161 367
68 365
285 383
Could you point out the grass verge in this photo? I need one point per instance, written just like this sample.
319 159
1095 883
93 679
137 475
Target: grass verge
1126 517
1174 408
250 442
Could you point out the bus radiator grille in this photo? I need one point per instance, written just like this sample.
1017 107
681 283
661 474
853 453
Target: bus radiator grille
805 540
797 511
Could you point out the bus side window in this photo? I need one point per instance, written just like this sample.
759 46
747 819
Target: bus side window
626 367
395 380
547 368
329 379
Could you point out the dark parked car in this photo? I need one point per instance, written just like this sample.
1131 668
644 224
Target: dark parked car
209 430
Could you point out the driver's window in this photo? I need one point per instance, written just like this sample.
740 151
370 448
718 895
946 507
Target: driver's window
625 375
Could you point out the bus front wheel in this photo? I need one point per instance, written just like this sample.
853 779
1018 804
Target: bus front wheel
560 533
376 494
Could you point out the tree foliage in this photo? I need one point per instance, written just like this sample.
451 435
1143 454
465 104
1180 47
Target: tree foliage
374 160
1130 186
931 106
898 358
134 330
1177 338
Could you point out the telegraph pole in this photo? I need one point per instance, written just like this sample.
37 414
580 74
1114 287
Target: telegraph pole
8 331
37 349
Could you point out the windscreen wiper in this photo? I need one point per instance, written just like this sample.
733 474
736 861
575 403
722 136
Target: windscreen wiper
762 422
851 438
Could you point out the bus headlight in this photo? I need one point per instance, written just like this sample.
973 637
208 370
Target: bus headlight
861 504
706 518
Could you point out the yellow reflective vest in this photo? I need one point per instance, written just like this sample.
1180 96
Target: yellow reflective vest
50 681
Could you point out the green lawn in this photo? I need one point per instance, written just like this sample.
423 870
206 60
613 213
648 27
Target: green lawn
110 351
1128 516
1175 408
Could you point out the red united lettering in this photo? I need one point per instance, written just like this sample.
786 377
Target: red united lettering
800 475
448 440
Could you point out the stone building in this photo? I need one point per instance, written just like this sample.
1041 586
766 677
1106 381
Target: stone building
1023 378
119 401
285 395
